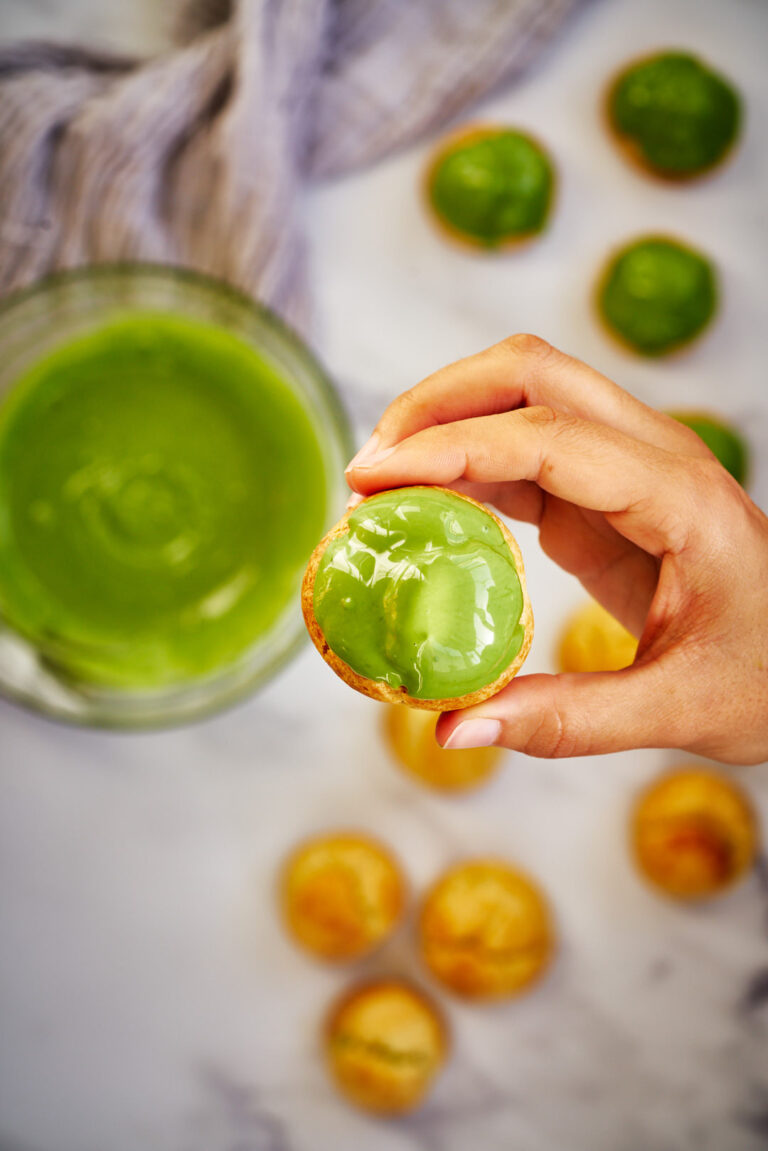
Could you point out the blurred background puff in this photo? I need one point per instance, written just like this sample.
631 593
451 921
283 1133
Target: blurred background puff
694 833
722 439
490 187
656 295
385 1042
410 734
486 930
342 895
593 640
673 115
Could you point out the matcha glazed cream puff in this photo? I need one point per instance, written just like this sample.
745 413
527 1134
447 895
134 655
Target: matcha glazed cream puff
418 596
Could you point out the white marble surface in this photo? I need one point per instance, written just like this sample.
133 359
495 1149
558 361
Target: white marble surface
147 994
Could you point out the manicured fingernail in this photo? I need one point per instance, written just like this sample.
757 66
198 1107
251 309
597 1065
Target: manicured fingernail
473 733
354 500
366 451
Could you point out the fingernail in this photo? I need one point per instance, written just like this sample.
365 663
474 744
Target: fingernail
473 733
366 451
367 458
354 500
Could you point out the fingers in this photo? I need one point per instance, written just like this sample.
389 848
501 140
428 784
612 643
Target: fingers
644 492
553 716
524 371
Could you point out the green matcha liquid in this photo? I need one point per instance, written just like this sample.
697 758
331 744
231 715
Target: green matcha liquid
161 488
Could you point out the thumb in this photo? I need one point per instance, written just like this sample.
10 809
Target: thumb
560 715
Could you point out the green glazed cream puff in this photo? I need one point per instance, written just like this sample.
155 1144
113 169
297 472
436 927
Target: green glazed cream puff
673 115
656 295
722 440
490 187
418 596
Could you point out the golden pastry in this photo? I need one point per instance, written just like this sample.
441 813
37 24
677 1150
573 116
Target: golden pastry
694 833
342 895
486 930
385 1043
593 640
411 735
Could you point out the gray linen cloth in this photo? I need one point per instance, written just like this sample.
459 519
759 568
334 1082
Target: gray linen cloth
198 157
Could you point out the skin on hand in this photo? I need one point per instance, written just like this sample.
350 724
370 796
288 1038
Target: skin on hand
632 503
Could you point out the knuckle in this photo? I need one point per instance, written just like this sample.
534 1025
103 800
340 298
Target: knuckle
541 415
527 345
554 736
692 444
709 489
410 398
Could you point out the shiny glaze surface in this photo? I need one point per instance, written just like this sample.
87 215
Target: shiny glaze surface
421 592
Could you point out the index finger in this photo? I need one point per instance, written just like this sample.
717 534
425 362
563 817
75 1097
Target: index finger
525 371
645 492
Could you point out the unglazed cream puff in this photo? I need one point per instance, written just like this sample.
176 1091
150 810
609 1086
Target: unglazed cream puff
593 640
342 895
410 733
486 930
385 1043
694 833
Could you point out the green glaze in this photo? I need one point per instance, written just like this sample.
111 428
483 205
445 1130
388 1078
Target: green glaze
681 115
492 187
721 439
657 294
422 592
161 487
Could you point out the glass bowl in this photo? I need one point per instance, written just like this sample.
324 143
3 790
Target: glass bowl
34 323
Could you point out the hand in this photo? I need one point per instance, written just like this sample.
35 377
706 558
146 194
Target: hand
633 504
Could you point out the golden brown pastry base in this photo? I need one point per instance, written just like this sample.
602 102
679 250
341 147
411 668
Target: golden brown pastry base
382 691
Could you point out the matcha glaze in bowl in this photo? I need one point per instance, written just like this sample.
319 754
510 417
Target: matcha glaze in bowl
169 453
